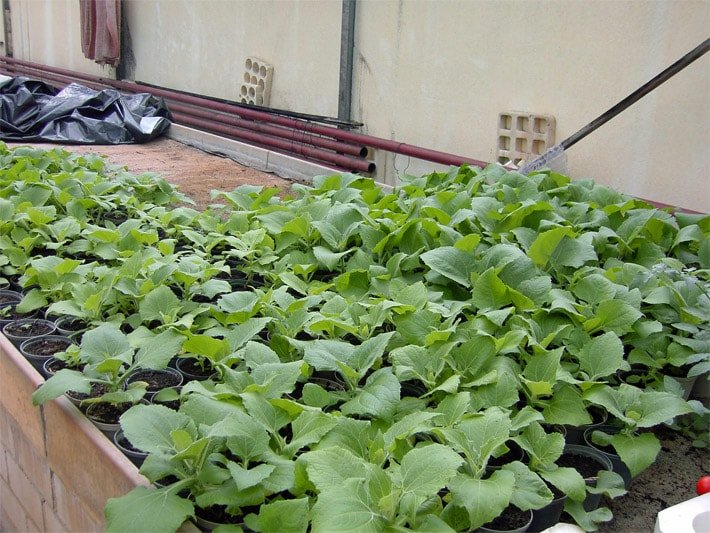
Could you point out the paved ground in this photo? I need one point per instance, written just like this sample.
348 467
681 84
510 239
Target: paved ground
669 481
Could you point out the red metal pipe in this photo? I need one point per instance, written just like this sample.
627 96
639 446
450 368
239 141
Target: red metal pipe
246 112
292 147
299 137
344 161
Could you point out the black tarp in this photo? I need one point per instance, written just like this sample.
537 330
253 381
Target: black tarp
31 110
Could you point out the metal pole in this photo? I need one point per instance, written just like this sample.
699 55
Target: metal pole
347 44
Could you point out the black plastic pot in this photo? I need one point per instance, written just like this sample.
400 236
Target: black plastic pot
575 434
35 351
521 529
71 326
21 330
547 516
186 366
122 443
617 464
173 376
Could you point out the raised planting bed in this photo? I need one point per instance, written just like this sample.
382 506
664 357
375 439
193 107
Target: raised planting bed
408 359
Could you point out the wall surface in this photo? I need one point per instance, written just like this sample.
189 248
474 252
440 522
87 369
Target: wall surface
437 73
201 46
49 32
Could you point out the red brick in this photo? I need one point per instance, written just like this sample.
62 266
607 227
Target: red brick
88 464
18 380
70 512
12 515
28 495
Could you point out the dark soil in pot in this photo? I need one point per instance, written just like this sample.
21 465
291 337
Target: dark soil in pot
46 346
217 514
157 379
9 313
97 389
7 296
28 328
586 466
53 365
135 455
511 519
193 370
108 413
69 325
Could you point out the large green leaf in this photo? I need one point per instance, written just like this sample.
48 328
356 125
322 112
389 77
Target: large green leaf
379 397
329 468
613 316
245 436
567 480
347 507
483 499
566 407
638 452
284 516
150 427
530 490
161 510
451 263
426 470
489 292
543 448
105 342
63 381
601 356
159 304
308 428
159 350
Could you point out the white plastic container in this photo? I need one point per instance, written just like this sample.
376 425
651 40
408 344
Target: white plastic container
690 516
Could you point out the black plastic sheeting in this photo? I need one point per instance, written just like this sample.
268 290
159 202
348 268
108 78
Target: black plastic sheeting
31 110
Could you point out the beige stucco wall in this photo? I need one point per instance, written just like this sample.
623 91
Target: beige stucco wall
437 72
201 46
49 32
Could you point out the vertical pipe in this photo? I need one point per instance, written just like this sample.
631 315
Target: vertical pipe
7 27
347 44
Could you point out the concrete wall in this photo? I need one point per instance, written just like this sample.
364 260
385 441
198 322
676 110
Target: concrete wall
201 46
437 72
49 32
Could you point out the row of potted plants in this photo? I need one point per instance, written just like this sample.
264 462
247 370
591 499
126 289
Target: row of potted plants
367 353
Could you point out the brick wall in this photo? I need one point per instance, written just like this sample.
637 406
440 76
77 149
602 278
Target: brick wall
56 469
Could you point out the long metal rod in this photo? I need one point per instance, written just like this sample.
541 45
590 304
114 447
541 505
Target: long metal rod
639 93
417 152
